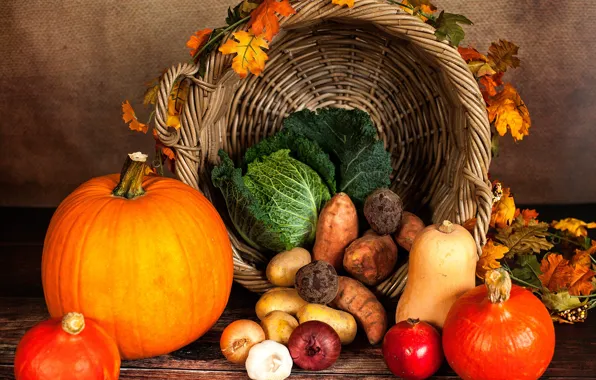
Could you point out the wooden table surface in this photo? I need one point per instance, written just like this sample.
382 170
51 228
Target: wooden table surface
22 305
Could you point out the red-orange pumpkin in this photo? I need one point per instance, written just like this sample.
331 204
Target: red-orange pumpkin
498 331
68 348
147 257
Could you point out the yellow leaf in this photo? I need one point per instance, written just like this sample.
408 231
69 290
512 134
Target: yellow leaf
247 7
151 93
249 53
509 112
349 3
574 226
503 210
485 70
264 18
150 170
502 55
556 272
488 260
129 116
197 40
424 6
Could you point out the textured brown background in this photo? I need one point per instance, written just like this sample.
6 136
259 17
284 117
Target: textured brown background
66 66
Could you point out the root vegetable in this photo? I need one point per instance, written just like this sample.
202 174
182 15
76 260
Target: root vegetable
343 323
269 360
237 339
336 229
410 227
282 268
359 301
383 209
371 258
282 299
278 326
314 346
317 282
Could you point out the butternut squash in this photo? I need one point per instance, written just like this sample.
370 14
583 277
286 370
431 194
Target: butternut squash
441 268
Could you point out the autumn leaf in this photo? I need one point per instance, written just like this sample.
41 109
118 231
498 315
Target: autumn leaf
470 54
150 170
447 27
419 6
349 3
489 84
581 281
556 272
574 226
524 239
508 111
503 210
264 18
151 93
198 40
241 11
488 259
129 116
583 257
470 224
176 104
560 301
502 55
527 216
166 150
249 53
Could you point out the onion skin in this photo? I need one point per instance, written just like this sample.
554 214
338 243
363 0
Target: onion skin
412 350
314 346
514 338
237 339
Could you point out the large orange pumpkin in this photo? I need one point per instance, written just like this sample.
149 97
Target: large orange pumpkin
149 258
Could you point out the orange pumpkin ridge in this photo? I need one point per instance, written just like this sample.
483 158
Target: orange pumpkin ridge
154 270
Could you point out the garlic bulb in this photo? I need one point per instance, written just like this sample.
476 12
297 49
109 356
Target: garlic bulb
269 360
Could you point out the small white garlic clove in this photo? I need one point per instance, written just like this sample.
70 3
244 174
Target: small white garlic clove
269 360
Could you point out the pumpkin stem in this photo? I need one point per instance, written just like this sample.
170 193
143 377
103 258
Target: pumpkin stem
498 284
446 227
73 323
131 177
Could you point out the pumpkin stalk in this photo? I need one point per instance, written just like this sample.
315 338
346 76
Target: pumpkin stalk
131 177
498 284
73 323
446 227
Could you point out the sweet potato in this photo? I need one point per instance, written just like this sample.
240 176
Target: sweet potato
357 300
371 258
336 229
410 227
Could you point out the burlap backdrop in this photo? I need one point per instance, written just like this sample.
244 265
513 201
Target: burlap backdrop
67 65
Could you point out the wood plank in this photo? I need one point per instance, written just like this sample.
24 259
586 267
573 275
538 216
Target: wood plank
576 347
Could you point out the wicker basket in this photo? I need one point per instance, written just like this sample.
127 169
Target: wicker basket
424 102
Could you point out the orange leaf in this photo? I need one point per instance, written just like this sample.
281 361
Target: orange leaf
425 6
470 224
197 40
129 116
250 56
264 18
508 111
583 257
167 151
581 281
527 215
575 227
502 55
471 54
503 210
349 3
150 170
488 260
556 272
490 84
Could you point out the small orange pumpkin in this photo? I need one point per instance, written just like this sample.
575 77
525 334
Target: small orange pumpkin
67 348
147 257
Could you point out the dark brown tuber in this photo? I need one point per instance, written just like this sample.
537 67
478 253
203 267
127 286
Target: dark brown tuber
382 210
317 282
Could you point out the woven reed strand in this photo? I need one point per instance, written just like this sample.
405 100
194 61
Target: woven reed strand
422 98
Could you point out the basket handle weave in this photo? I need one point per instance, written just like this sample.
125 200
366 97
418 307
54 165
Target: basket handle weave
199 134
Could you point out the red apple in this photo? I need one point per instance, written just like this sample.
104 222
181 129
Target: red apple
412 350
